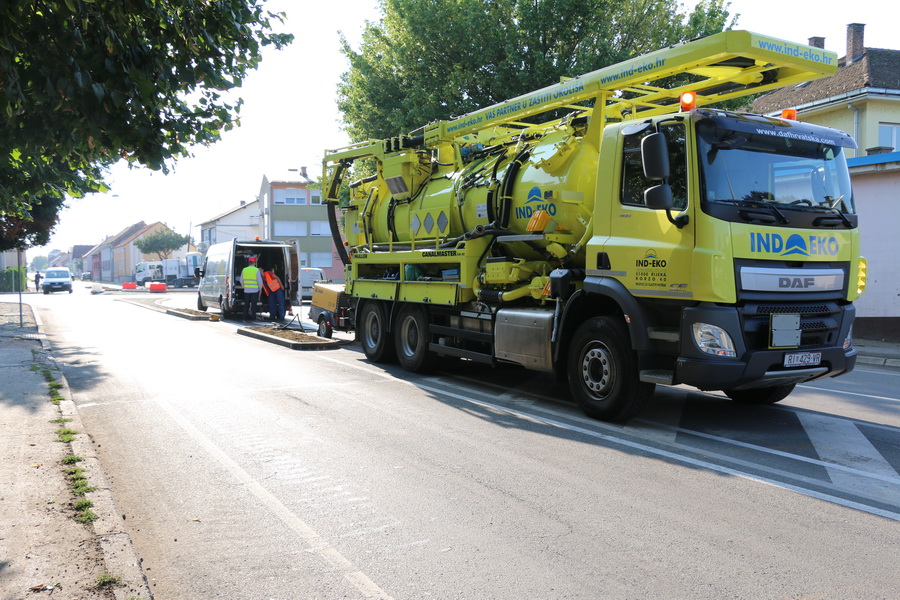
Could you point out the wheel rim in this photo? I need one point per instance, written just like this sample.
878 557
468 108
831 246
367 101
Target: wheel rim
372 329
409 336
321 331
597 371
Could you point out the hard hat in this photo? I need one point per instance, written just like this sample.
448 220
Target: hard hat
252 259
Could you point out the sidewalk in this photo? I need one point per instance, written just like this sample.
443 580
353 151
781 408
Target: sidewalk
43 550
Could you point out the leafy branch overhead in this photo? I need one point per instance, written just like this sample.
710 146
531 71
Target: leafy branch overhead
85 83
426 61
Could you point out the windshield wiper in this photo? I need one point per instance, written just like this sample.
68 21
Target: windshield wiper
833 208
755 216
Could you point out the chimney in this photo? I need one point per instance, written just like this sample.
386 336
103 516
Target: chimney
303 172
817 42
855 46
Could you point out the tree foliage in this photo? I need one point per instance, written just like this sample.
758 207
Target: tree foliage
434 59
85 83
31 227
161 243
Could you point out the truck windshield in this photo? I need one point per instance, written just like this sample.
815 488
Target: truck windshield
782 173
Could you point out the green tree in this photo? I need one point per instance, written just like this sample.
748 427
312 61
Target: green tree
39 263
84 84
31 226
161 243
434 59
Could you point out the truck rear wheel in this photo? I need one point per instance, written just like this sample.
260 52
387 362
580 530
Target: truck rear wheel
324 329
603 372
373 332
766 395
411 340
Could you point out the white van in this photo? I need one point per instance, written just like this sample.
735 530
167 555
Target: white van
221 268
308 276
57 279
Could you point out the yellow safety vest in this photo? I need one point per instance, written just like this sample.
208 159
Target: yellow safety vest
248 276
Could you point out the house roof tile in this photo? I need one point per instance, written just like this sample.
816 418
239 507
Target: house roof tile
876 69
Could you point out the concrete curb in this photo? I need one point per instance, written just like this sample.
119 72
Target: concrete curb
177 313
324 344
119 556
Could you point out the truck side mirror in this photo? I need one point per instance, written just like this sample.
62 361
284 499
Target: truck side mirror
655 156
659 197
198 272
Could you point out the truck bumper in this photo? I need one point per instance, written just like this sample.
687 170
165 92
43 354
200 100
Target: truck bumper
763 368
753 366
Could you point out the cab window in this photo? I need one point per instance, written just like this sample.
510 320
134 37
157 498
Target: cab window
633 181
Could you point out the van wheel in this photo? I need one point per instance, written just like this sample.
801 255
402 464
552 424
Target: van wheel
200 305
373 334
325 330
760 396
411 340
226 314
603 371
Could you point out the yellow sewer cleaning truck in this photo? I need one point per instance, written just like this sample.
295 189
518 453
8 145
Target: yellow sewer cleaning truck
615 230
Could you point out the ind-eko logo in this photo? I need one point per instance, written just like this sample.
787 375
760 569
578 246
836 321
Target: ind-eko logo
534 203
795 244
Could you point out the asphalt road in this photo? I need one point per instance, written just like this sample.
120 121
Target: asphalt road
246 470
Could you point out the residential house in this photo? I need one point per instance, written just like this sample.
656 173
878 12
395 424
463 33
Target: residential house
114 258
863 99
240 222
292 211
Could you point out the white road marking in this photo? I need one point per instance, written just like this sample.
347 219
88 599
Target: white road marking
840 442
315 543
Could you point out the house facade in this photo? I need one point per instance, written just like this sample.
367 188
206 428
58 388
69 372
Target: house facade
240 222
863 99
292 210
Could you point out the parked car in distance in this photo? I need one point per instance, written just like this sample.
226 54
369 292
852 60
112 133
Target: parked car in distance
308 276
86 276
57 279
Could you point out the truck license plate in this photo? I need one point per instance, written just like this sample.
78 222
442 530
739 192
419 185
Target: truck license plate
802 359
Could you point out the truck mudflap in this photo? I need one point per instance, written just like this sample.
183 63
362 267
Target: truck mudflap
763 368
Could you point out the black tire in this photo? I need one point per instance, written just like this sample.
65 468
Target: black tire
46 292
759 396
603 372
376 341
200 305
325 330
70 290
226 314
411 340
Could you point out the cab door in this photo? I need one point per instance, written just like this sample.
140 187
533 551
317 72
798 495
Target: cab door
648 253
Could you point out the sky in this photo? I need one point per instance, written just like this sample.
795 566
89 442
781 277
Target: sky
289 115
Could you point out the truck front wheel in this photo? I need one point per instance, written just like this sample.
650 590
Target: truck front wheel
603 372
766 395
373 332
411 340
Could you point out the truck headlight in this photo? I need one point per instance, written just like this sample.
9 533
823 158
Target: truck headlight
713 340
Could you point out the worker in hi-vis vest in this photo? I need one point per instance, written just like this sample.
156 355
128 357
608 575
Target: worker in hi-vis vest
251 280
275 291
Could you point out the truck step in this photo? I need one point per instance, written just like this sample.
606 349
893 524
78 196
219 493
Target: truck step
461 353
659 377
665 335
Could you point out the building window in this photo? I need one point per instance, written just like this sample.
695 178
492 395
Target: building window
319 228
290 228
289 196
315 197
321 260
889 135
